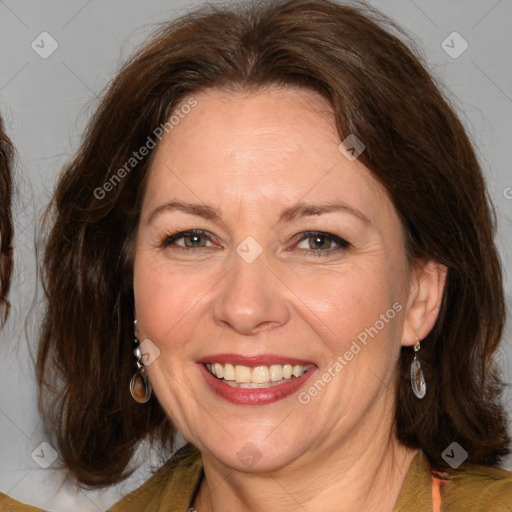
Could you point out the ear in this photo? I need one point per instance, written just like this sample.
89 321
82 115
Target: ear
426 286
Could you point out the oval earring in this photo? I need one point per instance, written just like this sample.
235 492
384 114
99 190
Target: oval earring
140 387
418 384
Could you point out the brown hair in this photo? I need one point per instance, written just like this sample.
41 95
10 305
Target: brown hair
415 146
6 224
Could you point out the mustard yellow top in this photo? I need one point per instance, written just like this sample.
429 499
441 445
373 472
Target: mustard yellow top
173 487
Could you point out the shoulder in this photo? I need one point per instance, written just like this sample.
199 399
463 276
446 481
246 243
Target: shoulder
8 504
479 489
170 488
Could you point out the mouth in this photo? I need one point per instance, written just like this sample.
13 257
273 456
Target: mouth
256 377
255 380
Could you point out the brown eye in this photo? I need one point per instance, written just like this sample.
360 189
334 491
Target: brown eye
191 239
194 240
321 244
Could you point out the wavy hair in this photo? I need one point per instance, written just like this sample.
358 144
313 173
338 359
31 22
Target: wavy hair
6 222
416 146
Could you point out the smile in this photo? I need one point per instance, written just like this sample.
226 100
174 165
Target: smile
240 376
255 383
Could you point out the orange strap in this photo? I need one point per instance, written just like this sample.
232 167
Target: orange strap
437 483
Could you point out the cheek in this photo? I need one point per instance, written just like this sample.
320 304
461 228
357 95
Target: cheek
355 302
168 302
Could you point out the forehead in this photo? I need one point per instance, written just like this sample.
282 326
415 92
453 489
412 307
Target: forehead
278 145
269 125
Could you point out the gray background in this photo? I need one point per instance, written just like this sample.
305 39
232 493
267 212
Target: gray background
46 104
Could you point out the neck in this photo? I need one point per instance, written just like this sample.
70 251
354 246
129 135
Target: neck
358 475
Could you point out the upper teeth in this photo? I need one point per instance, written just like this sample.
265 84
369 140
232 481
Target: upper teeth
256 375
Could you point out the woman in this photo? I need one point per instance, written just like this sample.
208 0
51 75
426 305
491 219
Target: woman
277 204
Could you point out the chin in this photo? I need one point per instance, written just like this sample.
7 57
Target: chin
254 456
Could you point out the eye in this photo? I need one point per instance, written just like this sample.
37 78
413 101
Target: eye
321 244
190 239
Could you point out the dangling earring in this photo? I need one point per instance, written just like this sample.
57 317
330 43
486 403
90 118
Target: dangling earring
140 387
418 384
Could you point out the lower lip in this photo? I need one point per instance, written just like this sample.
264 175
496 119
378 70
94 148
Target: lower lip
255 396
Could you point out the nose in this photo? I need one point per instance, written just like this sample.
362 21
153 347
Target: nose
251 298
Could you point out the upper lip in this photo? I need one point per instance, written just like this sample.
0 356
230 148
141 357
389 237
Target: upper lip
253 360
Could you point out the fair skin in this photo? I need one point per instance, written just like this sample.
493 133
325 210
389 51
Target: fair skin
251 155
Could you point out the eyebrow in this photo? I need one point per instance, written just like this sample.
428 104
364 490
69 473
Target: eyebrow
289 214
302 210
199 210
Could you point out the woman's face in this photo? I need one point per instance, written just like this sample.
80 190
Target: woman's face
298 251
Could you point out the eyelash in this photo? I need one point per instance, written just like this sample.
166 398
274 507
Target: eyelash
168 240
